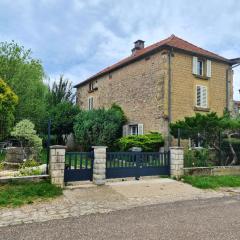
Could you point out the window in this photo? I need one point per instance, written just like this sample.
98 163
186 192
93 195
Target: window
201 96
202 67
93 86
90 103
200 64
133 129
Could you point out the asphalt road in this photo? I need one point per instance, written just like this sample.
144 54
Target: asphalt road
199 219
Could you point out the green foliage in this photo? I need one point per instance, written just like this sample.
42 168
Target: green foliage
62 117
149 142
99 127
18 193
196 158
25 76
8 102
60 91
212 182
26 133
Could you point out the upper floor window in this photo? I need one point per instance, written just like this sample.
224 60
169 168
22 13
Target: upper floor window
201 96
92 86
90 103
200 64
202 67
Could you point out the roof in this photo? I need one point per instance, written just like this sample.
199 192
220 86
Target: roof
172 41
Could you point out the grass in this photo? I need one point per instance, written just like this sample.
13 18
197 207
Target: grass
15 194
212 182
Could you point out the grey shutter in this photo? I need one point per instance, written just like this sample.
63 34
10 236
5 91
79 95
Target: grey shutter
194 65
209 68
198 96
140 129
125 130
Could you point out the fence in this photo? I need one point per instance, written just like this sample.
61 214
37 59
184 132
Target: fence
205 149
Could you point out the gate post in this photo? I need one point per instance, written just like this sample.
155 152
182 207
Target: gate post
176 162
99 165
57 164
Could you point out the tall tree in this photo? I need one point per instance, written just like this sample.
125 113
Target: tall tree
24 75
8 101
61 91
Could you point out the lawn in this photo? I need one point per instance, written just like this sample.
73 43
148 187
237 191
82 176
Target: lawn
15 194
212 182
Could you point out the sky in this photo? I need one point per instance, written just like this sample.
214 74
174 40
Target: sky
78 38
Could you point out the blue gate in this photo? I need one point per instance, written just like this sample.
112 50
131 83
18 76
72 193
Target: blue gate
78 166
137 164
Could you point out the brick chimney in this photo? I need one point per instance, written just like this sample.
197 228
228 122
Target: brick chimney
138 45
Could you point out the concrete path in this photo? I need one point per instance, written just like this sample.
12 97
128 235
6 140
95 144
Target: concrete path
111 197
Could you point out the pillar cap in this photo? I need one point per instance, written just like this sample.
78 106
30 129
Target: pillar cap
97 147
58 147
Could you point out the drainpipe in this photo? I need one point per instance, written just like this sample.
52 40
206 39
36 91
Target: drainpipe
170 54
227 107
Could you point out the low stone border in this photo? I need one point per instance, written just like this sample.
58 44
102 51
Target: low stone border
214 170
34 178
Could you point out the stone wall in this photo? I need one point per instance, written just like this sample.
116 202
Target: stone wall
139 88
212 171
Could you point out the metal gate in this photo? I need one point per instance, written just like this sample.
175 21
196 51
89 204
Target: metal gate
78 166
137 164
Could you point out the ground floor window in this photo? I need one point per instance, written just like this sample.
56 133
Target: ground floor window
133 129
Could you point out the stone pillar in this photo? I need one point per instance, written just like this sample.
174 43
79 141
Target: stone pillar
57 164
99 165
176 162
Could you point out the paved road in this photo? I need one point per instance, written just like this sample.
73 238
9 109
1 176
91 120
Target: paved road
199 219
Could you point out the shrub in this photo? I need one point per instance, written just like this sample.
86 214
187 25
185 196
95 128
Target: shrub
99 127
196 158
25 132
149 142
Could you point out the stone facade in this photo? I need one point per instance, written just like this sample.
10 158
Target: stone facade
141 89
176 162
57 164
138 88
99 167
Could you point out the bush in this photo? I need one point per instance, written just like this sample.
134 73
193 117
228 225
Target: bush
196 158
25 132
149 142
99 127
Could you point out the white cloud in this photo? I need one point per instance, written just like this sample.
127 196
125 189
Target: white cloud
79 38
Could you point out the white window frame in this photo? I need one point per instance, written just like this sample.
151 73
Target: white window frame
202 105
90 103
198 69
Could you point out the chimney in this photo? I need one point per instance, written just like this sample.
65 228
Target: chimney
138 45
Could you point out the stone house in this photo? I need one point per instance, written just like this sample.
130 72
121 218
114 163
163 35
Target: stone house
161 83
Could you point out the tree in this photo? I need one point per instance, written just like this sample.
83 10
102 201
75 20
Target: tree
209 129
60 91
99 127
8 102
62 117
25 76
25 132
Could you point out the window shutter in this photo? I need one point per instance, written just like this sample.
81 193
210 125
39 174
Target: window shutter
194 66
125 130
140 129
209 68
204 96
198 102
